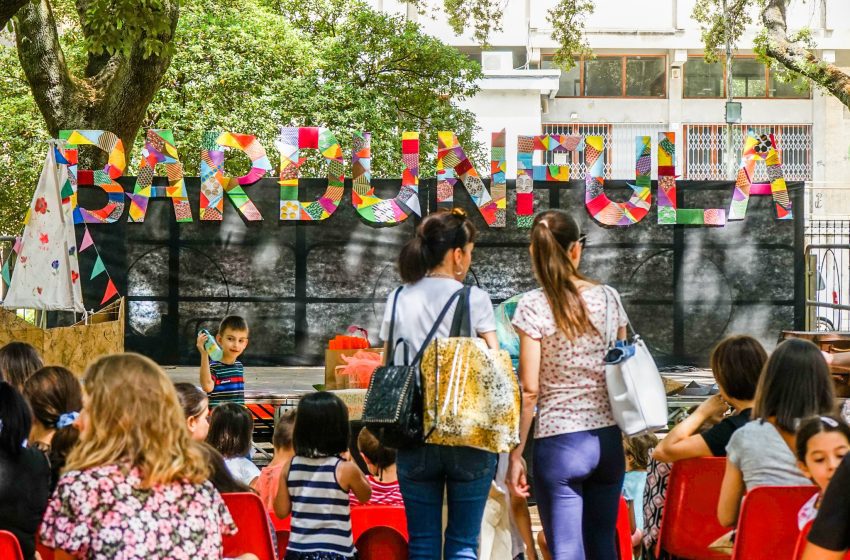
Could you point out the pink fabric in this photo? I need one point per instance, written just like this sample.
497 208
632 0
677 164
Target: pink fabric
268 483
572 395
383 494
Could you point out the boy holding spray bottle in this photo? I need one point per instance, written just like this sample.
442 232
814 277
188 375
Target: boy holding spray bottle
222 375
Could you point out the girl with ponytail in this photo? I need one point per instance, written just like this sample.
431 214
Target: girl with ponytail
433 265
578 452
56 398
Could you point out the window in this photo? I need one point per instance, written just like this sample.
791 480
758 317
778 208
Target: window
645 76
795 89
570 83
614 76
603 77
750 79
703 79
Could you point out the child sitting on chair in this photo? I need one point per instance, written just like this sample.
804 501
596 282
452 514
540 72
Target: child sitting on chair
380 461
314 485
231 427
637 450
284 451
822 442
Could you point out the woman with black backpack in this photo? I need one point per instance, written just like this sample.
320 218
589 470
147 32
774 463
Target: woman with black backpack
433 265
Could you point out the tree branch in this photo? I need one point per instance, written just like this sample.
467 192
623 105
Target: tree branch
796 57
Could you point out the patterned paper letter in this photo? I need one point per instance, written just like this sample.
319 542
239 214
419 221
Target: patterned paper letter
290 143
105 179
452 164
215 184
603 209
527 172
372 208
763 147
668 212
159 149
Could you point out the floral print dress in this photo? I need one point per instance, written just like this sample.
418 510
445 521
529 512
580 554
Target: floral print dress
103 513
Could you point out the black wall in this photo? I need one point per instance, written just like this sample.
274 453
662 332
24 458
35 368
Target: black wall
299 284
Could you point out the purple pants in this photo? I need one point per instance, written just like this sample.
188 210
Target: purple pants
578 479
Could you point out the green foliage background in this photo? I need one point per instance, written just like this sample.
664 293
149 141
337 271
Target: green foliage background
250 67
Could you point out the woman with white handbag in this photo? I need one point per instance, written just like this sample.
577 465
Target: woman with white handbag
578 452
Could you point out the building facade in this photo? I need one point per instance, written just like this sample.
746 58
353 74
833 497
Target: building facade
648 75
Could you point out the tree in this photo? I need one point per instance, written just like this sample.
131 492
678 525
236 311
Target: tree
379 73
127 51
338 64
250 67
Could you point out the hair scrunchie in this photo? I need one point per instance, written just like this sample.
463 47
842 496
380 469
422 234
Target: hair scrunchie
67 419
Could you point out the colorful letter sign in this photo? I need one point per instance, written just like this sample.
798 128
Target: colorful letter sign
290 143
763 147
159 148
105 179
668 212
603 209
215 184
452 164
527 172
372 208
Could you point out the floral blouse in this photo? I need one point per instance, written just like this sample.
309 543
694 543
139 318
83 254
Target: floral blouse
102 513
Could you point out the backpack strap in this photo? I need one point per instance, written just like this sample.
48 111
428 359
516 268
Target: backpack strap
436 326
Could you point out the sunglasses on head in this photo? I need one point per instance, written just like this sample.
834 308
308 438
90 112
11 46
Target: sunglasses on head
582 239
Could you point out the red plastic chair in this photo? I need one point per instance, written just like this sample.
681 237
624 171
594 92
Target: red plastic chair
281 531
802 539
254 533
767 525
379 532
689 520
624 531
364 518
10 548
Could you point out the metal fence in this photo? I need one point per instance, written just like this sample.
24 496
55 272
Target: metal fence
705 150
619 141
828 275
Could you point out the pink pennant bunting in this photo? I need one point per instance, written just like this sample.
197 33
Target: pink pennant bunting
87 241
110 292
17 247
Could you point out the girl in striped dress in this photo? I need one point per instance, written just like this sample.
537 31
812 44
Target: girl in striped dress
314 485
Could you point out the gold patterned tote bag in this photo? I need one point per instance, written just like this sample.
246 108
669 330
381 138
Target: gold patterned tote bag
470 394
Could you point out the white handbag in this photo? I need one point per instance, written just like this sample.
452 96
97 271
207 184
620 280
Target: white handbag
635 388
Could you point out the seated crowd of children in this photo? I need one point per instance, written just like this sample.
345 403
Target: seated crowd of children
128 464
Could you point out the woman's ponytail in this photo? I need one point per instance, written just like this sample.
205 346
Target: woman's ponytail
552 234
411 261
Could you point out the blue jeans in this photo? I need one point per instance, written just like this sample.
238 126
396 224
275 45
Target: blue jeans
465 474
578 480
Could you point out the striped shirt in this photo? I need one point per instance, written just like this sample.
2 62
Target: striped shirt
321 516
383 494
229 382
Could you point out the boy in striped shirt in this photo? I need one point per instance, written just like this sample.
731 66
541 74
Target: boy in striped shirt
224 381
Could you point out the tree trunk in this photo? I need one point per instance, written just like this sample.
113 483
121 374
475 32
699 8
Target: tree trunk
799 59
8 9
113 94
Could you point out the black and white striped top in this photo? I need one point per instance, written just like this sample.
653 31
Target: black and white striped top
321 515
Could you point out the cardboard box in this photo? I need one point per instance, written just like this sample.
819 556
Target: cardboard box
333 359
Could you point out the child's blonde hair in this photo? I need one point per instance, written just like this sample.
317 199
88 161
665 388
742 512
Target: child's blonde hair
134 416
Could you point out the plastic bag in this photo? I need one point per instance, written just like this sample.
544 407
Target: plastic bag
359 368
